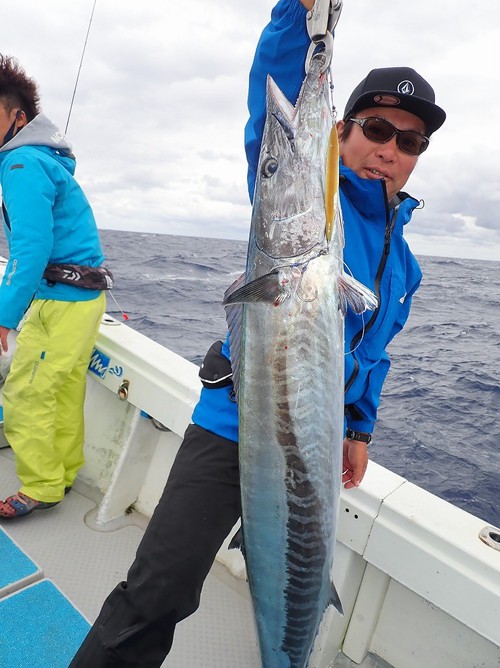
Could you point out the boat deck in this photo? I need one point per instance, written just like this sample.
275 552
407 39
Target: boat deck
85 564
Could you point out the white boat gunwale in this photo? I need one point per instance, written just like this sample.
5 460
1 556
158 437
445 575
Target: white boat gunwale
418 577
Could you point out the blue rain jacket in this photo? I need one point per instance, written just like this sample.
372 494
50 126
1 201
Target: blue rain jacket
47 219
375 251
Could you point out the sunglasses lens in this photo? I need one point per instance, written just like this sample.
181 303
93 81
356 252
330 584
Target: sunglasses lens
379 130
412 143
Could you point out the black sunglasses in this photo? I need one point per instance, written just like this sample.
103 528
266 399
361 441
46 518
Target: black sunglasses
380 130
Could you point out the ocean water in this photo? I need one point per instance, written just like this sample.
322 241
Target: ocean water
439 423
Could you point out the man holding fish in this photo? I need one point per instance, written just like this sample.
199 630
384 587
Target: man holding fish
385 127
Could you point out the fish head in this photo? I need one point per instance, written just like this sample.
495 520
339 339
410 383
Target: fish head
288 218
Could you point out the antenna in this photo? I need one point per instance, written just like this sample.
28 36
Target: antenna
80 68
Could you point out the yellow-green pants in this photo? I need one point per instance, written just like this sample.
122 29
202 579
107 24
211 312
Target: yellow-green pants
44 394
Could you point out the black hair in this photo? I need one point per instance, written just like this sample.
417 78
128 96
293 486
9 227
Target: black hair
17 89
347 129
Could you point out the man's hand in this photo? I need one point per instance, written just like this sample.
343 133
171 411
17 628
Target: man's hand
4 332
308 4
354 462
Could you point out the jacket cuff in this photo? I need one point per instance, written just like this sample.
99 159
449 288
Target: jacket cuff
361 425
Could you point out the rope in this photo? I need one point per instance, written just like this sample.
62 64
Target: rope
80 67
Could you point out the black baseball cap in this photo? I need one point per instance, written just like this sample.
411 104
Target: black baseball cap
400 87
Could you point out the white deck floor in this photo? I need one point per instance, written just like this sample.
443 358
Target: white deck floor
86 564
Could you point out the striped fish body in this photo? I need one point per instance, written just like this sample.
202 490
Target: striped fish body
287 348
291 432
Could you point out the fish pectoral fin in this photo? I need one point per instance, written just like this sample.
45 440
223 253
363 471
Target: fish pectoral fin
268 289
356 295
236 285
335 600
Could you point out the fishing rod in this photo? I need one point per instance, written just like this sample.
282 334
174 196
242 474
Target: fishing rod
124 315
80 67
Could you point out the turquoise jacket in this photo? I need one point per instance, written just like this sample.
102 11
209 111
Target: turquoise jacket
47 219
375 250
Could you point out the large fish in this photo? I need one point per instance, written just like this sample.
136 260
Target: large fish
286 321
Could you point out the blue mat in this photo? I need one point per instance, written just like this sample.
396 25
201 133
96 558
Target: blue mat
40 628
17 568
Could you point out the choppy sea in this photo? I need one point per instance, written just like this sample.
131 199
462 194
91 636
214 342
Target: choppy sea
439 421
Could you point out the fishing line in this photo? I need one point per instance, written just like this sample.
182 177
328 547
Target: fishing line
362 335
362 316
124 315
80 67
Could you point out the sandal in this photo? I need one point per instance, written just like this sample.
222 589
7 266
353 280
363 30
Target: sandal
20 504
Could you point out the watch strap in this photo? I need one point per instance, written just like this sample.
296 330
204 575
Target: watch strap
358 436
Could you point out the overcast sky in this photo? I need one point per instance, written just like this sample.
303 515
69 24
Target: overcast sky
157 123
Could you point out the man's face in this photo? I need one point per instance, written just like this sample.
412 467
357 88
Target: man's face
372 160
9 117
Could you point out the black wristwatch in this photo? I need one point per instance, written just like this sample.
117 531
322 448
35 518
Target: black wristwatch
358 436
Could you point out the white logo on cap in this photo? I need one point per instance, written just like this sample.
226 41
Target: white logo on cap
406 87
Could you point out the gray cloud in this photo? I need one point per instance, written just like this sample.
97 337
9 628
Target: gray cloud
158 119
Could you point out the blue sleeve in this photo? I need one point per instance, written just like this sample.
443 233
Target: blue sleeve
281 52
29 195
364 416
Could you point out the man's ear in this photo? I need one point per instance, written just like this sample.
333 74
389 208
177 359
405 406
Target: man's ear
340 129
21 118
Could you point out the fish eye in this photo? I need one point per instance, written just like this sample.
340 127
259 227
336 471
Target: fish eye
269 167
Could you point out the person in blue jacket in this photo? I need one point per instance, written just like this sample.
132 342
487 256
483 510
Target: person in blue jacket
53 277
386 125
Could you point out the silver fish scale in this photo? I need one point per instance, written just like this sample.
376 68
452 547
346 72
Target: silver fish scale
290 391
290 444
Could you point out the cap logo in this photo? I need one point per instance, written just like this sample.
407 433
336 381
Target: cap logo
406 87
386 100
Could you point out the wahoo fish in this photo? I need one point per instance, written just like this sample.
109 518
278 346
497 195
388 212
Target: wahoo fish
286 323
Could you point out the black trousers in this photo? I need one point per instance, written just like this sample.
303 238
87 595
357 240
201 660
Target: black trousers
198 508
